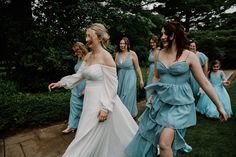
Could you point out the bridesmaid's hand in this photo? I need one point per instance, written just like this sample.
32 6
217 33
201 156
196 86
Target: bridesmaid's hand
223 115
102 115
53 85
226 83
141 84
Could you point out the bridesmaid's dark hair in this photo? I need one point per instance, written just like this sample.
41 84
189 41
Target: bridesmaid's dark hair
176 29
214 62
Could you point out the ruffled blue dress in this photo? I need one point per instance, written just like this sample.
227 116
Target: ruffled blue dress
151 59
206 106
127 83
76 101
172 107
195 86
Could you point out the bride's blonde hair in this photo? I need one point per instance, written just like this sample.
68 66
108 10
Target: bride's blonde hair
101 32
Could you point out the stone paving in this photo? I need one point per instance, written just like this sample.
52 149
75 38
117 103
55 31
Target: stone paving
41 142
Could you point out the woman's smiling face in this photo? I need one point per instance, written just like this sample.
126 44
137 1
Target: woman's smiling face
164 38
91 38
123 45
152 44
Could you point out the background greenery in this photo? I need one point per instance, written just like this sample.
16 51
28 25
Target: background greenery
36 36
22 110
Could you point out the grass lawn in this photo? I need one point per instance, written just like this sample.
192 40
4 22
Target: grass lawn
211 138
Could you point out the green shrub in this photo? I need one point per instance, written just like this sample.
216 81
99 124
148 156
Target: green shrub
20 110
7 87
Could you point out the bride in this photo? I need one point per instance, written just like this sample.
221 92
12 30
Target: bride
106 126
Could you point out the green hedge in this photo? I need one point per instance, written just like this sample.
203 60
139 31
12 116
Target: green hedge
21 110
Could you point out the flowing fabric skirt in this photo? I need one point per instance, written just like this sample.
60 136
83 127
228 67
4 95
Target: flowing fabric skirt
127 89
156 117
101 139
207 107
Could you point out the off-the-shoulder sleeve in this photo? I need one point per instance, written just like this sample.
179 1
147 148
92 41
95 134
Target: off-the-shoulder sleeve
70 81
109 93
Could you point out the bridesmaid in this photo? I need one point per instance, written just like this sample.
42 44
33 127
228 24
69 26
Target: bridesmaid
127 63
163 124
153 50
218 80
203 59
76 99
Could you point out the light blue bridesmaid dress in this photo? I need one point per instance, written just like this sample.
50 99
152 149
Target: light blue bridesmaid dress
76 101
195 86
206 106
151 59
172 107
127 83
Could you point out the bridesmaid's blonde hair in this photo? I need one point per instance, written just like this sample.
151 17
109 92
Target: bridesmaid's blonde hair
101 32
81 48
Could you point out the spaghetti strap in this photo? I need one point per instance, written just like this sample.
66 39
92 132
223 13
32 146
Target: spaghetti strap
187 55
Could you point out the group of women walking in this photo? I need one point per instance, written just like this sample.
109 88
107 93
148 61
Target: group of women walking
107 126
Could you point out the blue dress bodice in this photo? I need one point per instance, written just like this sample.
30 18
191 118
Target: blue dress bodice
218 78
173 86
177 73
151 58
127 63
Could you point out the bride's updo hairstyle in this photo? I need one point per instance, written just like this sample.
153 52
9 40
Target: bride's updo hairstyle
101 32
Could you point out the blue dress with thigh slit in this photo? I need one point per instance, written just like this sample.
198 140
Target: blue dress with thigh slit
172 107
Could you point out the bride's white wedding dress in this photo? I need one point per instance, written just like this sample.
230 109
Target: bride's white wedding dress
94 138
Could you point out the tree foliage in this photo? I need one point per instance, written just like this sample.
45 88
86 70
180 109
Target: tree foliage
36 41
217 45
195 14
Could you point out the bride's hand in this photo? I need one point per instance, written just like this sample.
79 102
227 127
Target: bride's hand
102 115
53 85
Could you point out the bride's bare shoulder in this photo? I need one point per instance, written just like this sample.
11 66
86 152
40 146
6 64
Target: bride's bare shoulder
108 60
87 56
